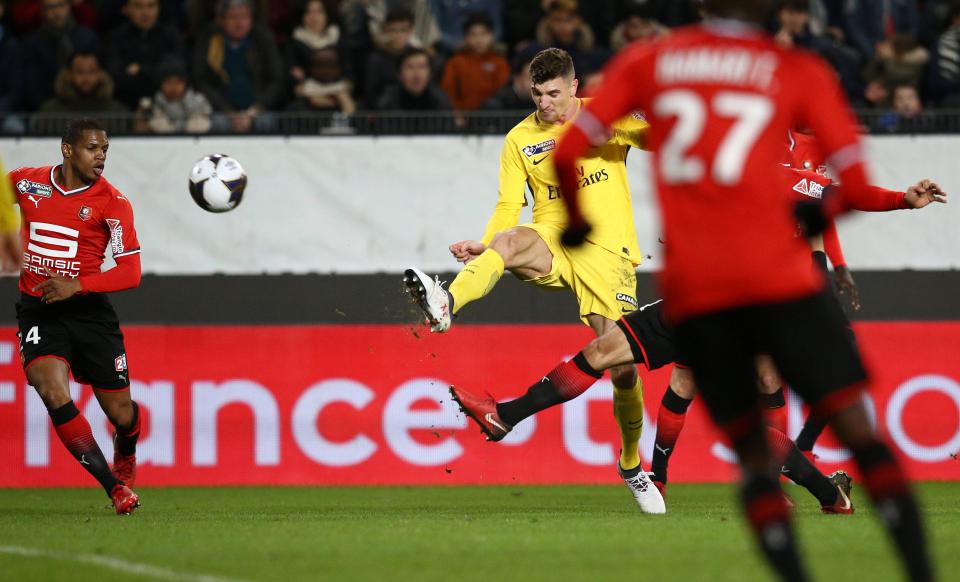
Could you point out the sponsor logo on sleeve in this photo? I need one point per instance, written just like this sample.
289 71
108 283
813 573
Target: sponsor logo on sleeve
116 235
809 188
632 301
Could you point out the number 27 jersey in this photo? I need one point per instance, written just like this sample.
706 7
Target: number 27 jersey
719 99
67 231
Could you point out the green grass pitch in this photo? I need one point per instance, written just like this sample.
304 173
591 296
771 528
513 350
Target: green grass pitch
430 533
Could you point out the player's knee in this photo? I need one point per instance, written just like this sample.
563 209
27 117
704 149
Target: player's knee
682 383
505 244
119 412
624 377
52 392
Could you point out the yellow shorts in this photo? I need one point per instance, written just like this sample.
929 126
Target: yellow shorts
604 282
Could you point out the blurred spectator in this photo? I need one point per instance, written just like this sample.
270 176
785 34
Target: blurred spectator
452 14
476 72
515 95
897 61
83 87
672 13
416 90
792 29
176 108
563 28
27 15
384 62
944 73
136 48
48 50
907 115
238 67
314 32
11 71
203 14
324 88
870 22
369 17
637 26
520 21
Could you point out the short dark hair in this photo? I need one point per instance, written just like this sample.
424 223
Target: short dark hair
75 128
398 15
411 52
477 19
549 64
82 53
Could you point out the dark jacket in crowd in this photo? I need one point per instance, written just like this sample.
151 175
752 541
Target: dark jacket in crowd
396 98
11 71
128 44
48 50
236 76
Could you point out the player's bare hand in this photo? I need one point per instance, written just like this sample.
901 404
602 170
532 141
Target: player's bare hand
467 250
923 193
10 255
57 287
846 286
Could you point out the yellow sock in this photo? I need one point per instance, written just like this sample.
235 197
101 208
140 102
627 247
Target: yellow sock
628 410
476 279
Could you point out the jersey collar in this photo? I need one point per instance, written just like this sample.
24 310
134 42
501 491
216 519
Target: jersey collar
53 181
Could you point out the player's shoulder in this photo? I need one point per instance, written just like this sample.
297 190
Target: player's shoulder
33 173
526 125
110 192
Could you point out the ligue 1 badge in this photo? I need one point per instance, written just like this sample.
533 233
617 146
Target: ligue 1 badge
85 212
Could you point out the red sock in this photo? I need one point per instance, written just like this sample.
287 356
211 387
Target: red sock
75 434
780 445
670 418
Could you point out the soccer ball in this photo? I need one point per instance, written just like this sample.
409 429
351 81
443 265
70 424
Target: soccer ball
217 183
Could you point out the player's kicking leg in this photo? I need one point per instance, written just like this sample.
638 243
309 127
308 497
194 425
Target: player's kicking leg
565 382
50 377
519 250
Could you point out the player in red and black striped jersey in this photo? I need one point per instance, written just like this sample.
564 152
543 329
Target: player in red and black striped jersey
70 215
737 282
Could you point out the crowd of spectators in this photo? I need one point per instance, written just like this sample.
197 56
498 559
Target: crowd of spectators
237 65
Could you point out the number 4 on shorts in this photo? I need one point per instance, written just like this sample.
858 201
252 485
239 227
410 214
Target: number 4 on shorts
33 336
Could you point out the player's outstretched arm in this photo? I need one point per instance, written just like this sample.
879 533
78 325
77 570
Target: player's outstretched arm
126 275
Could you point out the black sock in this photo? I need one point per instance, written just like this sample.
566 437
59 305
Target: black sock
801 471
811 431
565 382
768 516
894 502
126 438
670 419
75 434
775 400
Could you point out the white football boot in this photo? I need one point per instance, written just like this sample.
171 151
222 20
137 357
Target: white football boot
431 297
644 491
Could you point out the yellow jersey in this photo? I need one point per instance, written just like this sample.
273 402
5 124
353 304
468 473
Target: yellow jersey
525 162
9 219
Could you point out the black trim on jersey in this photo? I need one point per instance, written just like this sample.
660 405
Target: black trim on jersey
61 190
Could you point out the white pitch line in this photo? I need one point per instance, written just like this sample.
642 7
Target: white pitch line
115 564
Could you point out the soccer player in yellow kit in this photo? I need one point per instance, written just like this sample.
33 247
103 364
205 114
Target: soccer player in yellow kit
601 272
9 225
